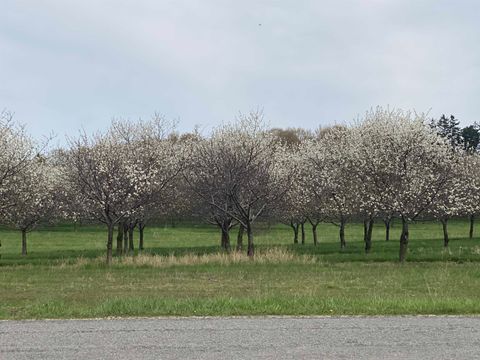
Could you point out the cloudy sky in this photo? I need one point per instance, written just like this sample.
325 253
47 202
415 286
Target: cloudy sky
71 64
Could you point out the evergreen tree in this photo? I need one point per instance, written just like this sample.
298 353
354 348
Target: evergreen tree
448 127
471 137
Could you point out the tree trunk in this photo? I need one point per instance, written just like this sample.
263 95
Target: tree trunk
295 232
302 225
24 242
445 232
110 243
225 242
370 228
120 240
250 248
368 225
387 228
141 227
125 238
403 240
314 231
472 221
342 234
240 238
365 230
131 246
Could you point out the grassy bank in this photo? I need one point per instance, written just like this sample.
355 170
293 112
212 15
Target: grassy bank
182 273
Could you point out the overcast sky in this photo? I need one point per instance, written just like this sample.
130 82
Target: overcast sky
71 64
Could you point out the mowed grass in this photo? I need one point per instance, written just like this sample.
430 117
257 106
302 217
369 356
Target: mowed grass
183 273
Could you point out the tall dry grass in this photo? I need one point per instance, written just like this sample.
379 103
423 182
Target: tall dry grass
274 255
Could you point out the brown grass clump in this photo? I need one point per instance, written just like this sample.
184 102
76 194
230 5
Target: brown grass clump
269 256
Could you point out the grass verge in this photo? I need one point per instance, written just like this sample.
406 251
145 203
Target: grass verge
64 276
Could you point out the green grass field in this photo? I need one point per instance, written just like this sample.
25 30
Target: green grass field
63 275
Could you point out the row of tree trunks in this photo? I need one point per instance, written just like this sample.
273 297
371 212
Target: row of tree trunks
125 240
126 231
250 246
300 226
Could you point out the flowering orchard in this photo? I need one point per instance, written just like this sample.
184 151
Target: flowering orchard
389 164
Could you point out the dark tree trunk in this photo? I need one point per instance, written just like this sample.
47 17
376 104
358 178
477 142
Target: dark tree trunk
370 228
445 232
24 242
342 234
403 240
120 240
295 232
222 238
225 242
302 225
368 235
387 228
365 230
125 238
131 245
250 248
111 228
472 223
141 227
240 238
314 231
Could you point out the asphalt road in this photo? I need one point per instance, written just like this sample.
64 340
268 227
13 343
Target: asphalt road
244 338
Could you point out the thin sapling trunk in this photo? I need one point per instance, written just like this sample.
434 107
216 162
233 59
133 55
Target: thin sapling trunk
404 240
387 228
24 242
445 232
141 227
472 223
110 243
302 225
343 244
